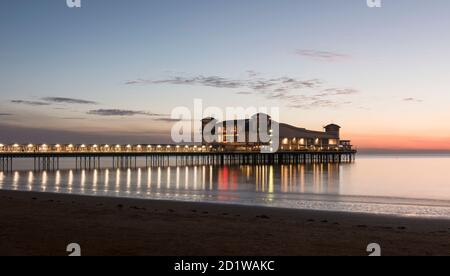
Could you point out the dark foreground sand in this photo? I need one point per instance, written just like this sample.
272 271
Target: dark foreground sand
43 224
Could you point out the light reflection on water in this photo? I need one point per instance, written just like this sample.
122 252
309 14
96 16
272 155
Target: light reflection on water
373 185
245 179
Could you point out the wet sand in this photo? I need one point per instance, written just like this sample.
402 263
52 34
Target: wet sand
44 224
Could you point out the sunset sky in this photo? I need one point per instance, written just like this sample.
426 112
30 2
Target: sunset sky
113 70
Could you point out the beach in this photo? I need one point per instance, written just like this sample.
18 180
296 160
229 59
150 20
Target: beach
45 223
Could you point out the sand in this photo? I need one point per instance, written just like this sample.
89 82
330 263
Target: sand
44 224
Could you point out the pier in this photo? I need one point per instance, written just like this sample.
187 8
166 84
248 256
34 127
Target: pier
48 157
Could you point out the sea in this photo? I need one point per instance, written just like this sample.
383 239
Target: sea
387 184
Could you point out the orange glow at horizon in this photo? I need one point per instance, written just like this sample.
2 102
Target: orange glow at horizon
397 142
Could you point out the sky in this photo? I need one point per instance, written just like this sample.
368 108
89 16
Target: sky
113 70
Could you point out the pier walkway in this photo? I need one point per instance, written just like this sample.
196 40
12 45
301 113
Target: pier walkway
47 157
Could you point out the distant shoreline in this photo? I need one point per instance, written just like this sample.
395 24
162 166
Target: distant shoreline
43 224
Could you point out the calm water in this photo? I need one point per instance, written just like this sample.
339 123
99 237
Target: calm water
399 185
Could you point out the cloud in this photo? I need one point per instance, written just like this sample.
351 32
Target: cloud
322 55
412 100
310 103
67 100
120 113
167 120
256 84
210 81
138 82
53 100
33 103
73 118
294 91
337 92
171 120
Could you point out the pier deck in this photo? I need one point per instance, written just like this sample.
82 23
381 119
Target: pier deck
93 160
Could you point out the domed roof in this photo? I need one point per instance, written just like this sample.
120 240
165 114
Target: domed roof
332 126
